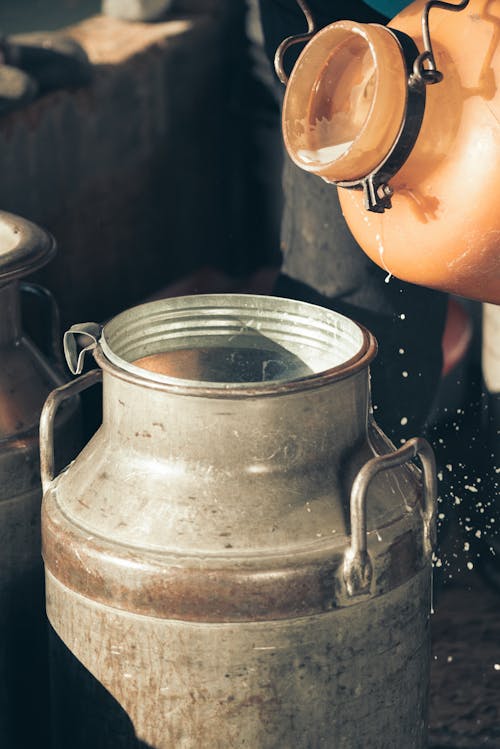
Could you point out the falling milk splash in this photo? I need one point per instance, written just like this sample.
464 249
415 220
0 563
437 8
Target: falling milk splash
381 251
380 247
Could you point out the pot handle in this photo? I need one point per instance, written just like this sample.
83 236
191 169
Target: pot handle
357 566
47 420
51 347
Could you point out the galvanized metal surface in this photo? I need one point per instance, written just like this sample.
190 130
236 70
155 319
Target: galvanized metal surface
490 350
349 679
205 517
26 378
24 247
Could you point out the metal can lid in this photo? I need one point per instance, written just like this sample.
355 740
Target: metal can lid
24 246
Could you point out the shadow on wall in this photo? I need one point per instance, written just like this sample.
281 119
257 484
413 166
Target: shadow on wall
84 713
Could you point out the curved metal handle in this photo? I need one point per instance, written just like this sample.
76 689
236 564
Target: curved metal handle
357 563
424 68
47 420
291 40
53 349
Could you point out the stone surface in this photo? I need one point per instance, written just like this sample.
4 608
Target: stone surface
465 677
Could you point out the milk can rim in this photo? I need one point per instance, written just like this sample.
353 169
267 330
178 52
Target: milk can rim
120 368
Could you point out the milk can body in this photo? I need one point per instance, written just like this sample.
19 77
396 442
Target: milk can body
26 378
239 557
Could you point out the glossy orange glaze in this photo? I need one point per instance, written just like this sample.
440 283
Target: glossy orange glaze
443 230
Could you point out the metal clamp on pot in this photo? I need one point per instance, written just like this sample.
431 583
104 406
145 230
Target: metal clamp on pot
373 153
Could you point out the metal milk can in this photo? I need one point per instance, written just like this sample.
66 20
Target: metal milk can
238 557
26 378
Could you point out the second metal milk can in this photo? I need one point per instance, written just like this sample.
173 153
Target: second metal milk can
26 378
238 559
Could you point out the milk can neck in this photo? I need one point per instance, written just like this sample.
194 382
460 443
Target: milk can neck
314 425
250 367
10 313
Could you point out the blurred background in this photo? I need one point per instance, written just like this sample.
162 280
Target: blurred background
160 175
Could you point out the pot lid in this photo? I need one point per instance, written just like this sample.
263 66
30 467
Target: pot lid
24 246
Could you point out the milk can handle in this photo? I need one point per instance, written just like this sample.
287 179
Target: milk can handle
47 420
357 563
53 348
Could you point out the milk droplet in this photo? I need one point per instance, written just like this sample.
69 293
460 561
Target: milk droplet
381 250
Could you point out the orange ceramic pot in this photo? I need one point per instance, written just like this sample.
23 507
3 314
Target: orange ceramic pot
345 108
